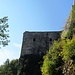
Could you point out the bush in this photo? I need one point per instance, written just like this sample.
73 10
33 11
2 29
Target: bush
69 49
9 68
52 60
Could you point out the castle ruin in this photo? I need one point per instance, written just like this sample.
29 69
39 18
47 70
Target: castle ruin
38 42
34 47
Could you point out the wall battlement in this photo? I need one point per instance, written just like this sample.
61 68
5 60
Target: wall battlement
38 42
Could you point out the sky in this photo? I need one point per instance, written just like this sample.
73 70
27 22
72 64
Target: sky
31 15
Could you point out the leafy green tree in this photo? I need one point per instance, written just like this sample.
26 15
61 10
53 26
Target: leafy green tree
9 68
3 31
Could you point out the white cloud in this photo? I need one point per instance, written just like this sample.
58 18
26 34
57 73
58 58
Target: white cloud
10 52
17 45
5 54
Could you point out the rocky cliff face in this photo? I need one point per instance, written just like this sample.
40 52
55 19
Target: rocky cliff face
70 25
67 26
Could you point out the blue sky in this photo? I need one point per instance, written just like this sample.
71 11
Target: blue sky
31 15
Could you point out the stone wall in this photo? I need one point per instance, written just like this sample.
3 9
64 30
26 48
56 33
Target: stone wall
38 42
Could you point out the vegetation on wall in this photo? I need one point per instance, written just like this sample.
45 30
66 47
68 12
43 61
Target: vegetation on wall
52 60
56 59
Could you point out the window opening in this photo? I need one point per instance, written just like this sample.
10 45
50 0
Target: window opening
33 39
50 39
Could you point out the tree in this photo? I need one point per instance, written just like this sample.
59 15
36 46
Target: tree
3 31
11 68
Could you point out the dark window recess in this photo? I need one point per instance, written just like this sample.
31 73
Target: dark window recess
33 39
50 39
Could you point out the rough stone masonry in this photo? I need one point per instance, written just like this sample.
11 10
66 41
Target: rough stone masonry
38 42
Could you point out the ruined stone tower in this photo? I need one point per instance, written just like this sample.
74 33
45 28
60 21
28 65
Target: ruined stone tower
34 46
38 42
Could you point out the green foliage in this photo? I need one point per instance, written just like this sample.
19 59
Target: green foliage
10 68
3 31
61 52
69 49
52 60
